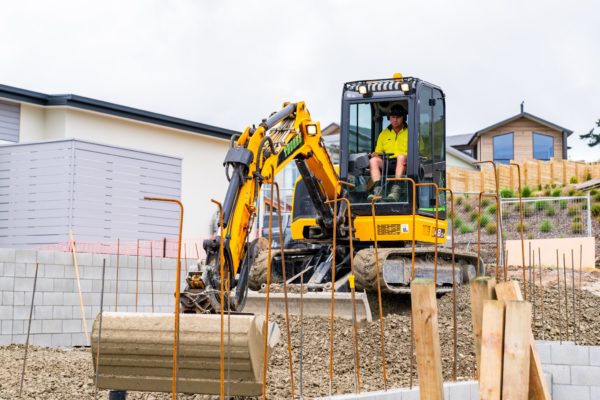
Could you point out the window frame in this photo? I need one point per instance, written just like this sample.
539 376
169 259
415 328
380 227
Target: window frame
512 136
533 134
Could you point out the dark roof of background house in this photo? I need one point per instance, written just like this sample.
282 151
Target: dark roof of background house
521 115
86 103
458 140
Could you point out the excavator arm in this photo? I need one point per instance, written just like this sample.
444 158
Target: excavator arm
254 158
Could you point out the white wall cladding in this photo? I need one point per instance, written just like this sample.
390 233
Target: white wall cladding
98 190
10 115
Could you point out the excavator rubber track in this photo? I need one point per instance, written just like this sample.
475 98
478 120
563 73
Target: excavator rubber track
395 268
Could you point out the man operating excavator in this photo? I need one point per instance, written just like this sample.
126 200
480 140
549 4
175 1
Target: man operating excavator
393 143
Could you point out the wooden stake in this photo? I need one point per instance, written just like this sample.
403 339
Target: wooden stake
482 288
492 338
537 385
427 339
517 343
74 251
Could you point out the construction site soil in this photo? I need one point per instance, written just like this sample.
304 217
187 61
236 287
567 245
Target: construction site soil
68 373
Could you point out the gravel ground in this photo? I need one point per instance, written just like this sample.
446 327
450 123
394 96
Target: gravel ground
64 374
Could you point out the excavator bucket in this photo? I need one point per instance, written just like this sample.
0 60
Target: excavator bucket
136 352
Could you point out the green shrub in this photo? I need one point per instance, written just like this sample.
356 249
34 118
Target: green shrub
465 228
546 226
572 210
504 235
473 216
584 206
507 193
593 192
539 187
547 192
573 180
571 192
485 220
490 229
576 218
527 210
550 212
563 204
459 200
529 236
596 210
485 202
588 176
526 191
525 227
597 198
457 222
556 192
541 205
467 207
491 209
576 227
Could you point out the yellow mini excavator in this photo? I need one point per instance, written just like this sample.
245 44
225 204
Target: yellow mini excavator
416 215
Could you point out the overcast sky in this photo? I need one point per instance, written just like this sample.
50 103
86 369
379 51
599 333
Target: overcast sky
230 63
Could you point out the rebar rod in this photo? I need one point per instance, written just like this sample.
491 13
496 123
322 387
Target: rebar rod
285 290
137 273
99 330
29 327
541 293
379 301
579 296
521 229
532 283
566 297
268 292
301 333
332 307
152 275
533 305
575 333
177 294
117 280
560 325
481 195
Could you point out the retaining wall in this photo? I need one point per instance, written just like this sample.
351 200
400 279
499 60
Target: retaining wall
57 318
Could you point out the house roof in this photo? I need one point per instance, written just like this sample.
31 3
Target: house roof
460 155
514 118
458 140
86 103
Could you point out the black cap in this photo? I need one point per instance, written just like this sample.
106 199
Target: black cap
397 111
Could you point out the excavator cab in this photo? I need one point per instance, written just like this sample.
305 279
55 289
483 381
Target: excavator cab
365 106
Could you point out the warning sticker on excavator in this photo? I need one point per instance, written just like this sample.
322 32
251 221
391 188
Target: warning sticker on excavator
405 228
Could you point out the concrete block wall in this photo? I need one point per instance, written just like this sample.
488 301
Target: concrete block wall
574 370
57 318
467 390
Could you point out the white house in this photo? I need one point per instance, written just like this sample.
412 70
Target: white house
30 117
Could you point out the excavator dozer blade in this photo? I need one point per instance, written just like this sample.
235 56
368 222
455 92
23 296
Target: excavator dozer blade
136 352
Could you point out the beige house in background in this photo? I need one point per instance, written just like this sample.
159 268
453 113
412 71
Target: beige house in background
520 137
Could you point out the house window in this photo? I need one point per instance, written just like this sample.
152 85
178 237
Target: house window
543 146
504 148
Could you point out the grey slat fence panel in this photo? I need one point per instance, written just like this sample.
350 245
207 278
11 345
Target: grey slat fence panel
10 116
97 190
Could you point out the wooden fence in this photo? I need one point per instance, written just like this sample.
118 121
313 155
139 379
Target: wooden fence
533 174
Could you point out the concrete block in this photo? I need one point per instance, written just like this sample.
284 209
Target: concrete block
61 340
63 258
1 269
79 339
9 269
123 261
19 339
91 272
42 312
7 298
62 312
20 270
410 394
52 326
561 374
595 355
19 298
54 299
166 287
44 340
23 284
54 271
18 327
127 274
544 351
91 298
39 298
568 354
570 392
7 327
7 283
595 392
6 313
44 284
134 262
36 327
29 270
7 255
25 256
168 263
84 259
585 375
72 326
126 299
63 285
70 299
5 340
84 284
70 272
45 257
20 312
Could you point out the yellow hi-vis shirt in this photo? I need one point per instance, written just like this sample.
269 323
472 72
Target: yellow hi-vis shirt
392 142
